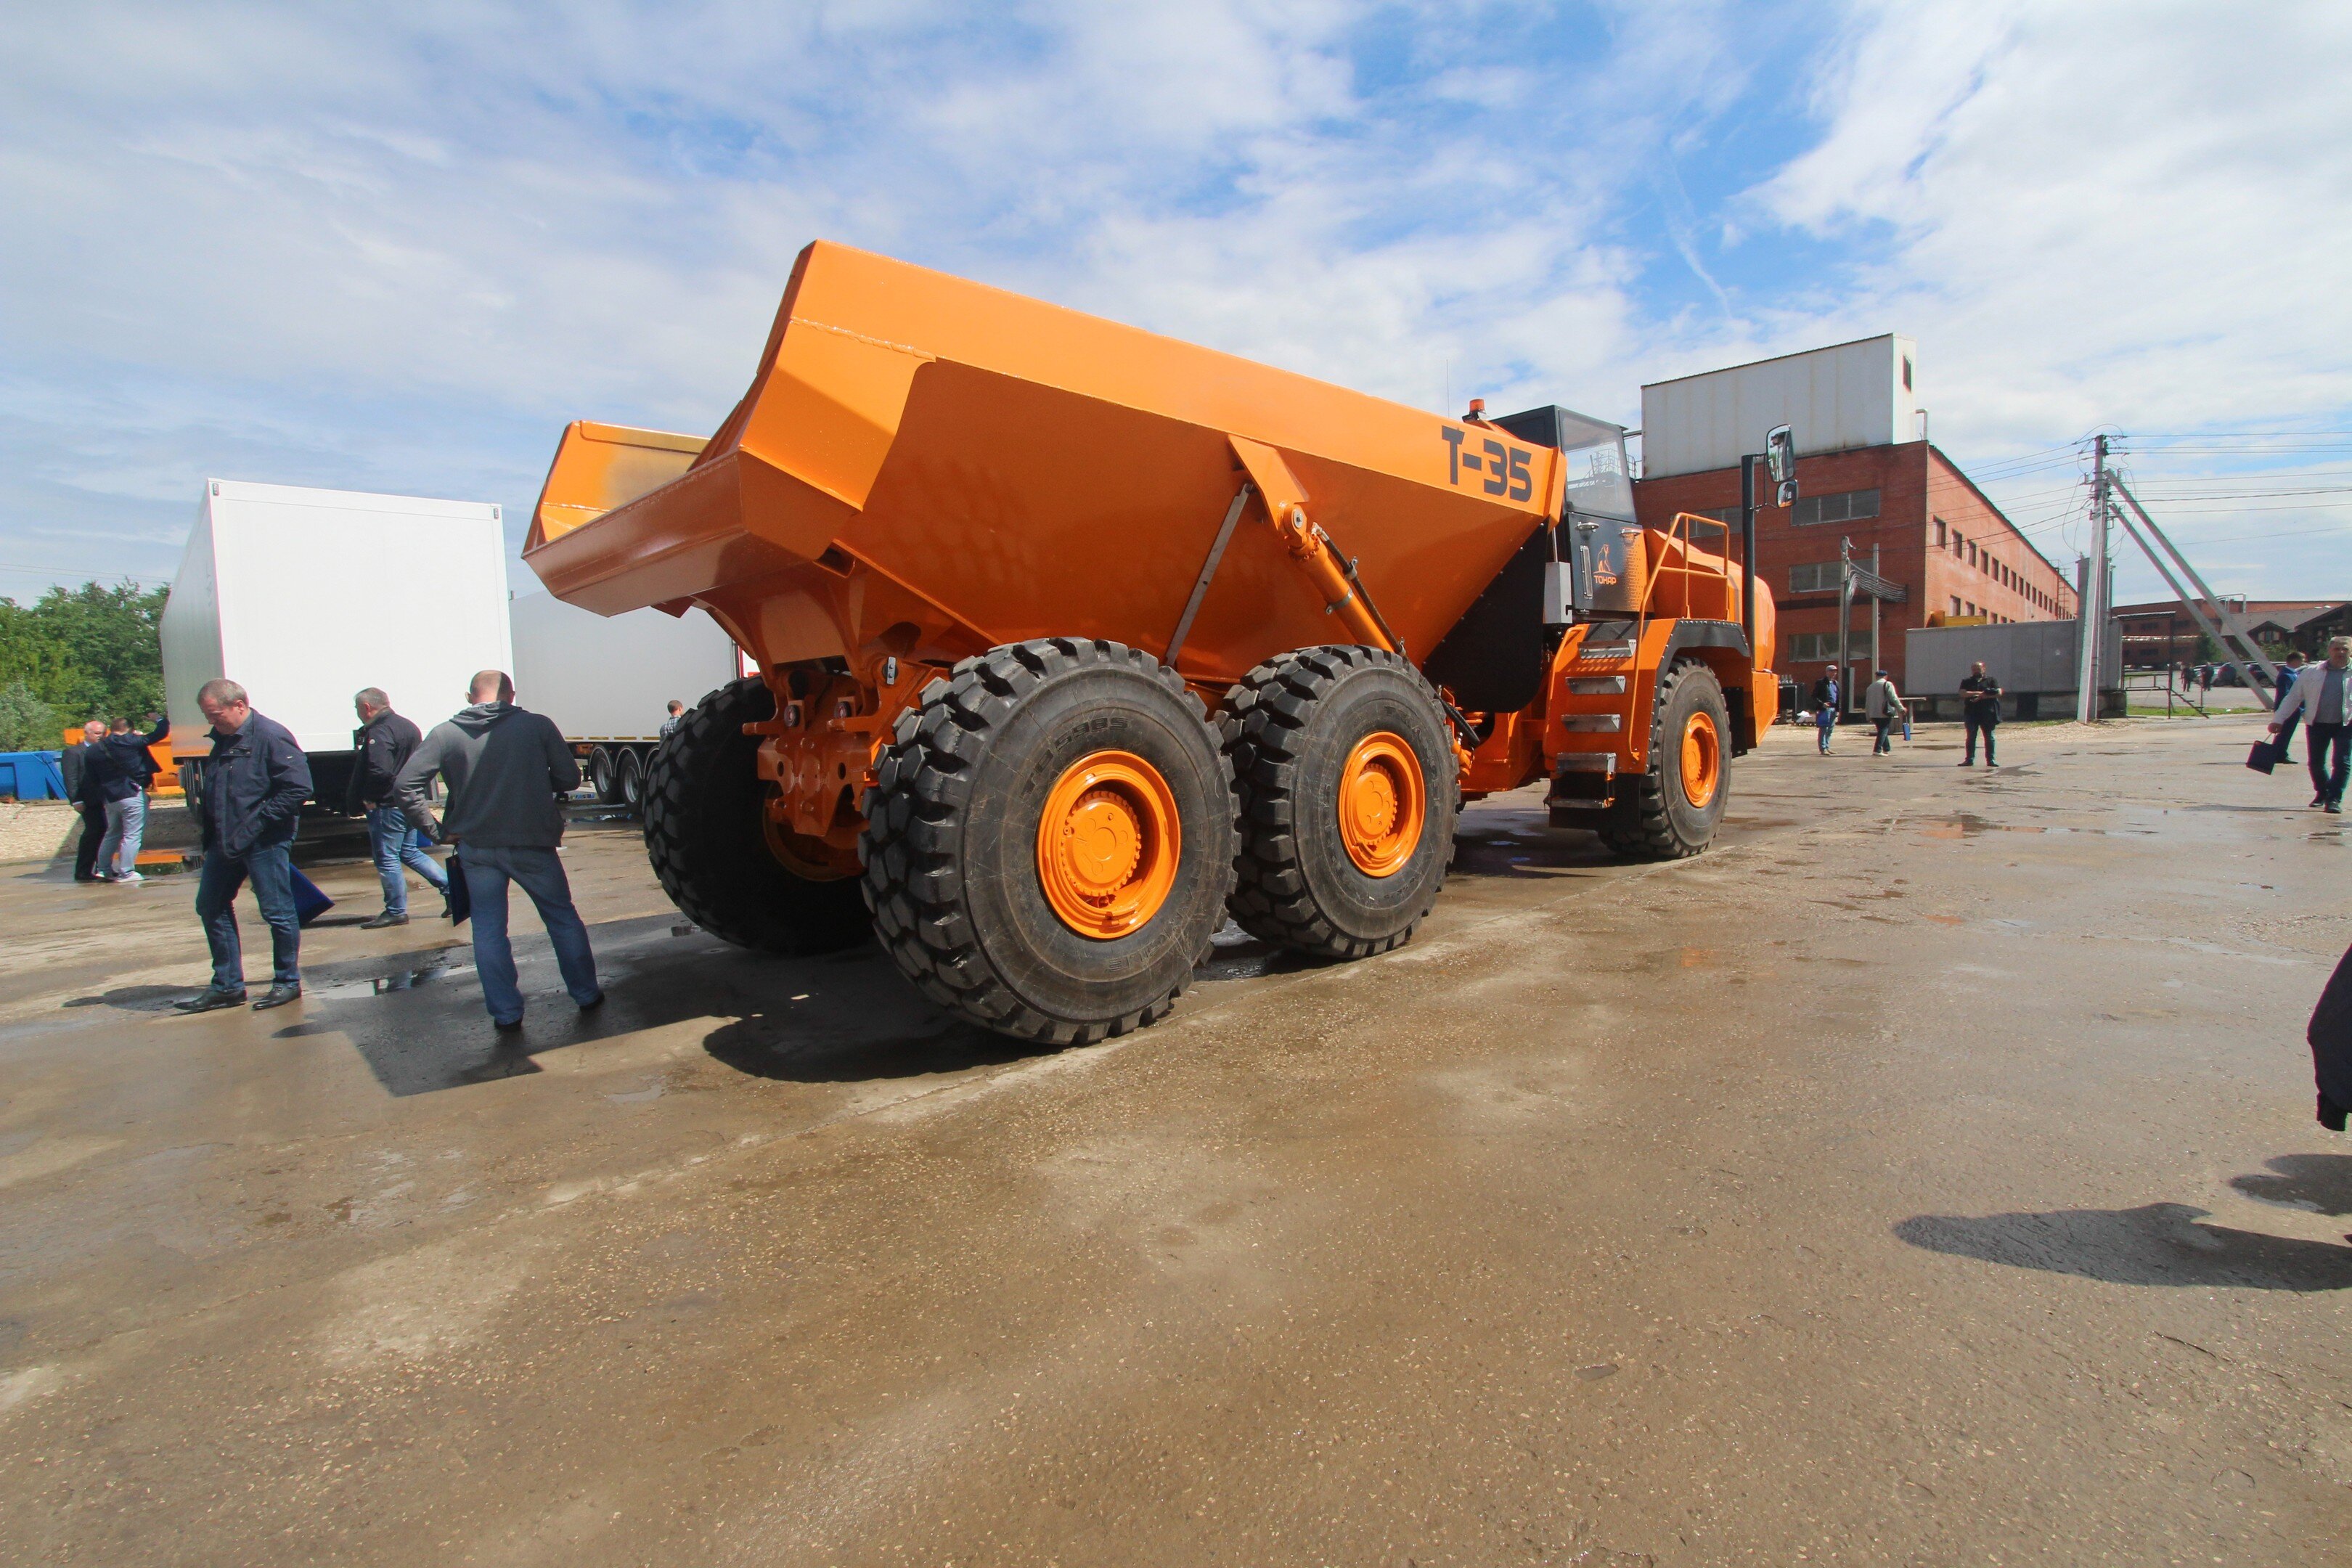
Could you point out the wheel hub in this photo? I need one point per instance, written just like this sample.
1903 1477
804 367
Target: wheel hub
1108 845
1702 760
1383 803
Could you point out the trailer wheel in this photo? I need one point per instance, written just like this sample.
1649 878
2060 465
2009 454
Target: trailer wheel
1670 810
630 782
1049 840
601 777
706 833
1349 792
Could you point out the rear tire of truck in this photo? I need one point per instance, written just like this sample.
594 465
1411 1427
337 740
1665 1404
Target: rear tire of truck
601 777
1670 809
1049 840
705 833
629 781
1348 791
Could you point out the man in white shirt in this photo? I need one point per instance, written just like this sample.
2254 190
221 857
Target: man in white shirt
2322 696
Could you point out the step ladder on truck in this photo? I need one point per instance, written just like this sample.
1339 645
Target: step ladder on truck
1072 639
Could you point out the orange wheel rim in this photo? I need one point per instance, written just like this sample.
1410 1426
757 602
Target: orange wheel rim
1702 759
1107 843
1383 803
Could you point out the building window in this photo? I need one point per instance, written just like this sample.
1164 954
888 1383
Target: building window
1943 531
1845 506
1813 646
1907 373
1727 515
1957 542
1955 603
1813 577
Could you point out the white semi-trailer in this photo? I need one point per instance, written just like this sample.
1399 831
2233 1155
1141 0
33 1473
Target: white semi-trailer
304 596
607 681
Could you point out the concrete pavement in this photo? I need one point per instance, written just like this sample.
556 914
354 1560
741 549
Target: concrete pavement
1924 1176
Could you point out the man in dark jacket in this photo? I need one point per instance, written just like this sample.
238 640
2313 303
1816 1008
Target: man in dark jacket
381 746
75 765
1981 708
504 768
1825 698
254 783
115 772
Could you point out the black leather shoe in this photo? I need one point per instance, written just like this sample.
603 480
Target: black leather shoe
593 1003
210 1001
278 996
507 1026
377 923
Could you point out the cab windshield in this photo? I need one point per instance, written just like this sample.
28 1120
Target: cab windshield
1594 456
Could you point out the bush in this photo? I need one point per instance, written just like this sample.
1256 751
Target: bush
27 723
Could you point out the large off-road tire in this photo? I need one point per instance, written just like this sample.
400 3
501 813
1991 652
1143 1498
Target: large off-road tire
1670 809
957 871
705 832
1345 833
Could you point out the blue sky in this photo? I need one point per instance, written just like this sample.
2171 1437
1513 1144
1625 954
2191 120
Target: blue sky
397 248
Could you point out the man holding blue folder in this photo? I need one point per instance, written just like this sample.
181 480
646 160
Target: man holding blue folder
254 783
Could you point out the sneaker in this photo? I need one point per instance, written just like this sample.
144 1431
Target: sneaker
1968 762
278 996
126 877
2317 801
378 922
209 1001
2335 808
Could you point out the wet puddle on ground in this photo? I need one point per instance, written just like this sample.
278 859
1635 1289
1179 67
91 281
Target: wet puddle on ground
403 980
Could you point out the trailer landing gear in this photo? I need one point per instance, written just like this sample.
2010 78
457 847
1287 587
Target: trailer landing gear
1049 841
706 833
1349 789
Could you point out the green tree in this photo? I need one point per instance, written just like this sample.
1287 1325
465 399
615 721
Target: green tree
80 653
26 724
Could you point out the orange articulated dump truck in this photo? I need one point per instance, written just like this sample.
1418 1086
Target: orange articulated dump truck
1073 638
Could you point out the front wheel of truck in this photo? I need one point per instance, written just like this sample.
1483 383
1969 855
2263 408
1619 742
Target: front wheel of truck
1670 809
1049 840
705 832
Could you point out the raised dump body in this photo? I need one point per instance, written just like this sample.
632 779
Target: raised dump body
1074 636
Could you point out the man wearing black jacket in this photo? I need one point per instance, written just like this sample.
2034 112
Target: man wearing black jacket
1981 712
381 746
254 783
75 765
505 769
115 772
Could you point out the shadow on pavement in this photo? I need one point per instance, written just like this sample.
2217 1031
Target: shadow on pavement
2156 1243
843 1018
2316 1183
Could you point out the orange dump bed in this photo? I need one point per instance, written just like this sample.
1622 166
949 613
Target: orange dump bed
936 467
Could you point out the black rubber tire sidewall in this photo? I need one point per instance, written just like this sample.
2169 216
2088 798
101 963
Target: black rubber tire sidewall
1365 702
1696 690
703 800
1052 968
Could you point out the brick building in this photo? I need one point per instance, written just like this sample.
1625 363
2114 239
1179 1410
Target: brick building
1952 552
2161 635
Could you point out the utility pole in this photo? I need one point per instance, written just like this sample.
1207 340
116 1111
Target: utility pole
2091 600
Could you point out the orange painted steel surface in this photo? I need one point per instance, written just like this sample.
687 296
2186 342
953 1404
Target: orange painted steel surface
1702 759
928 466
1383 803
1109 841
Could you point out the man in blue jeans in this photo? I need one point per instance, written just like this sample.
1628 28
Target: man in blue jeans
254 783
380 747
505 769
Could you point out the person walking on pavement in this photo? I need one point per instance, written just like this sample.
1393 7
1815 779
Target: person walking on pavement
1981 708
1883 705
253 786
504 767
74 764
1825 704
2289 668
2322 696
117 771
382 745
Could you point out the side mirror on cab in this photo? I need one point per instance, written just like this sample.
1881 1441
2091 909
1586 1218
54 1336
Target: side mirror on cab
1781 462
